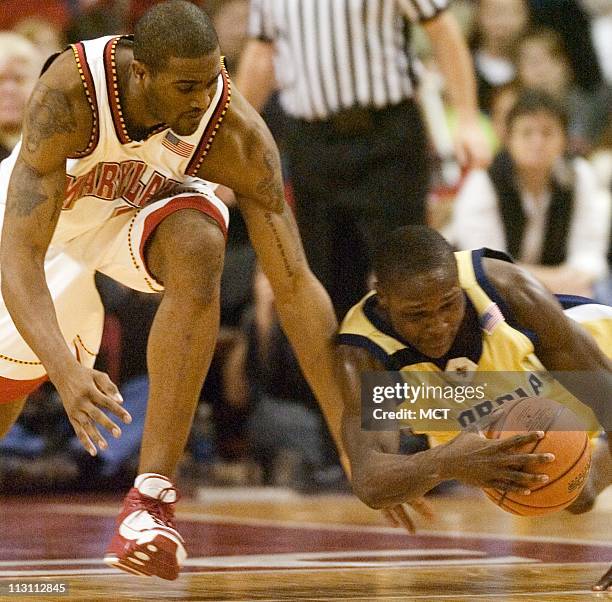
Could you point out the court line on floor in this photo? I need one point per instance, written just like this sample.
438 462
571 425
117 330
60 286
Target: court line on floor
289 570
204 517
411 597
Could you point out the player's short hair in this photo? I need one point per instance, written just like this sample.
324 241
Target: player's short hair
411 251
531 102
173 29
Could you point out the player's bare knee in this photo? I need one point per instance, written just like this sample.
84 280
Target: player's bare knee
186 255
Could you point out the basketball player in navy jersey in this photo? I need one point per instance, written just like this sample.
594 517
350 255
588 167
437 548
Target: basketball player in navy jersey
431 312
120 138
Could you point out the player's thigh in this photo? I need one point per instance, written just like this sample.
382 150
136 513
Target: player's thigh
166 243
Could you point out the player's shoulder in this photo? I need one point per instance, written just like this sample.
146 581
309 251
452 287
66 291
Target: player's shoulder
243 129
245 157
61 84
61 73
504 274
360 358
58 110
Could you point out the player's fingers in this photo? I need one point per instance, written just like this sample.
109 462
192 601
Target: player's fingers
516 477
504 487
519 440
422 507
605 583
400 517
104 401
107 386
390 517
388 514
406 521
101 418
83 437
522 459
94 434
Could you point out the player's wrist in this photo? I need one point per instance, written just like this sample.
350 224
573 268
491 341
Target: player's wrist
443 463
62 371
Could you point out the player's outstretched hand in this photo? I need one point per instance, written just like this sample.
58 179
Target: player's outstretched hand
605 583
84 393
497 463
399 516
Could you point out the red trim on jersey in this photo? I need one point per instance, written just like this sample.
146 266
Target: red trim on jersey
90 92
110 72
12 390
197 202
213 125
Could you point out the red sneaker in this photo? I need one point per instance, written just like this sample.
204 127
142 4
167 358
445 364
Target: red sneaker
146 541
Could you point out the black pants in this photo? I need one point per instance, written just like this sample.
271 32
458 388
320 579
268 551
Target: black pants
356 177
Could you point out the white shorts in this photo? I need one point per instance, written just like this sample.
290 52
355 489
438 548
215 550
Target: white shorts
115 248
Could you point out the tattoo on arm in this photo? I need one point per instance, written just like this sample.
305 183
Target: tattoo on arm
49 113
27 192
279 244
271 185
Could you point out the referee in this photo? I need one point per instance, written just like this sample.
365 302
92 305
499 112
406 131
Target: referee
356 146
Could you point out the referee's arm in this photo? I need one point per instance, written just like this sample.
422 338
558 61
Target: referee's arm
255 75
454 60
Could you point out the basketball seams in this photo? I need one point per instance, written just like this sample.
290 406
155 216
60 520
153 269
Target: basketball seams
579 458
503 495
545 509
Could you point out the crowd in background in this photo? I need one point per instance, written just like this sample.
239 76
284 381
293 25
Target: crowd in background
544 75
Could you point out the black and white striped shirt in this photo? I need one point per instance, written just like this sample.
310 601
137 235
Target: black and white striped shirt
337 54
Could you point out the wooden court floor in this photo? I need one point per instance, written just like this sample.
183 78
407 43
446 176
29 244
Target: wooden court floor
274 545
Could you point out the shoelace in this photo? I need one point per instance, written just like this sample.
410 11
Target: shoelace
158 510
162 512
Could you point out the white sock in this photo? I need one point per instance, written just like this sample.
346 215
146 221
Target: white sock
152 485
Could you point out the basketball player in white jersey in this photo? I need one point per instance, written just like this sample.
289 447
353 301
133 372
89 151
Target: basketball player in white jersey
120 136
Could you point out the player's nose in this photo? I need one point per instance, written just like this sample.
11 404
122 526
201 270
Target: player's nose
200 101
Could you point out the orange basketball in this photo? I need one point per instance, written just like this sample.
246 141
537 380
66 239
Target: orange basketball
563 438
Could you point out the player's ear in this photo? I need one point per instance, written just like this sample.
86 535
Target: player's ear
383 298
140 70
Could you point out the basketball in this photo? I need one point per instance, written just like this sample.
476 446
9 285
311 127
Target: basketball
563 438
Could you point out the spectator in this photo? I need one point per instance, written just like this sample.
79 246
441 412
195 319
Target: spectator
44 34
534 202
543 64
571 21
499 26
19 67
502 101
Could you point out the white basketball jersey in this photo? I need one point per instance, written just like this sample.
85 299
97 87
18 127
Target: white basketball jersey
114 173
